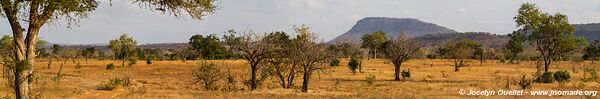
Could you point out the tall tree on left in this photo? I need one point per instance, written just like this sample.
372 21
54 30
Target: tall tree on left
36 13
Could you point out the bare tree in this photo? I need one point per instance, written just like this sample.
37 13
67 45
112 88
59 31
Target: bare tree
251 47
309 54
399 50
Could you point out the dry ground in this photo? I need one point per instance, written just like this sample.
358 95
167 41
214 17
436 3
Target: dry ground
172 79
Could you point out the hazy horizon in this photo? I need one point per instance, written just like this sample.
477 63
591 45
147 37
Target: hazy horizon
328 18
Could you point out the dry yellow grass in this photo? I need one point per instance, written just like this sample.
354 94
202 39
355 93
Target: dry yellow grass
172 79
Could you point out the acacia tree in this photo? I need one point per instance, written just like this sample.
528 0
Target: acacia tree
36 13
373 42
88 53
552 35
459 52
280 59
399 50
55 52
123 47
309 54
251 48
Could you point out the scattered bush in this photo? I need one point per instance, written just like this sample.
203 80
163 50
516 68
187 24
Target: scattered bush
110 66
209 74
405 74
334 62
370 79
562 76
113 83
545 78
353 65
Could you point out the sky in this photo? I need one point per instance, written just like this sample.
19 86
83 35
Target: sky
328 18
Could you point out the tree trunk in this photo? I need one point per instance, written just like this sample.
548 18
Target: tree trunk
291 77
397 71
306 79
49 62
58 75
123 62
253 80
375 54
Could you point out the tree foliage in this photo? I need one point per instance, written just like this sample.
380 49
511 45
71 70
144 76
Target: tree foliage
552 35
123 47
399 50
514 45
374 41
209 47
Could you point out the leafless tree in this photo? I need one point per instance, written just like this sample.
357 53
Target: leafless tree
250 47
309 54
399 50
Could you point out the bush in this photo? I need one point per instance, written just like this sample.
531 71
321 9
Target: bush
524 83
405 74
353 65
209 74
545 78
132 61
110 66
334 62
148 60
113 83
77 66
370 79
562 76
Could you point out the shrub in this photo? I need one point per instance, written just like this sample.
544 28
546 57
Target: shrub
148 60
110 66
209 74
545 78
334 62
562 76
132 61
113 83
370 79
353 65
524 82
77 66
405 74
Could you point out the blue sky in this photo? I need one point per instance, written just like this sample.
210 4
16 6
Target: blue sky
328 18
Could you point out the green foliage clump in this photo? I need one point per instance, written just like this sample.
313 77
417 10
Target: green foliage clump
110 66
405 74
334 62
132 61
562 76
547 77
148 60
353 65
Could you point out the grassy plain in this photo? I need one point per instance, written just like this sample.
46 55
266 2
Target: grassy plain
172 79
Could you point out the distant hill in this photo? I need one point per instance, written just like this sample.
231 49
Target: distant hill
590 31
392 26
487 39
104 47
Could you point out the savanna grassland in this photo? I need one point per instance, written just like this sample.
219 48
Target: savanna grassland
173 79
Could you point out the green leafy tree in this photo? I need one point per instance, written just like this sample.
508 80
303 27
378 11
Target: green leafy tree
552 35
88 53
123 47
374 42
209 47
36 13
514 45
